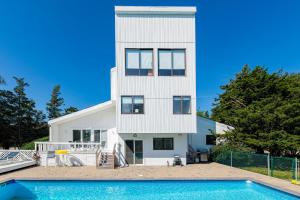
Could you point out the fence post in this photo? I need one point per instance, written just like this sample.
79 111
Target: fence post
268 163
296 169
231 158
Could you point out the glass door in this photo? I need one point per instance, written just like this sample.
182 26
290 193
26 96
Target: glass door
138 152
134 151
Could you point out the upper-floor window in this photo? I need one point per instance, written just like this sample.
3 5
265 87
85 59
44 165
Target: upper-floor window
171 62
138 62
132 105
182 105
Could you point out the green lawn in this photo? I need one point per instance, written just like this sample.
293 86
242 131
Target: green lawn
287 175
30 145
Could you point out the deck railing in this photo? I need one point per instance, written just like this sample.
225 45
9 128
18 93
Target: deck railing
17 155
72 146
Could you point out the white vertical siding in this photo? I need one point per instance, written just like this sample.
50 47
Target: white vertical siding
206 127
156 31
113 83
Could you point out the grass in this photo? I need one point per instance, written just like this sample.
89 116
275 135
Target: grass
287 175
30 145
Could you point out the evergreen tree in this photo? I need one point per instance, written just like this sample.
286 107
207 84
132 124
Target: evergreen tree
70 110
7 111
19 120
204 114
2 81
25 112
54 105
264 108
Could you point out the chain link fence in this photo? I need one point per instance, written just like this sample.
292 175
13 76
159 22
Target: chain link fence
279 167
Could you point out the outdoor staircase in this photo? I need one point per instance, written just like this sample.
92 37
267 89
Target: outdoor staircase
105 160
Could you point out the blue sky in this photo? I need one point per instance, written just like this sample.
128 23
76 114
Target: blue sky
71 43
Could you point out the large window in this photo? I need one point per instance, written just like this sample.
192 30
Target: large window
163 143
210 140
100 136
86 135
138 62
181 105
132 105
76 136
171 62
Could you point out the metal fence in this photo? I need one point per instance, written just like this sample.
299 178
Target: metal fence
279 167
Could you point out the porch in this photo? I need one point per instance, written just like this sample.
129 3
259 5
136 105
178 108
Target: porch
74 154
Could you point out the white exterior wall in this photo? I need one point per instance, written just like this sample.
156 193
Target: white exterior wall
113 83
156 157
101 120
156 30
206 127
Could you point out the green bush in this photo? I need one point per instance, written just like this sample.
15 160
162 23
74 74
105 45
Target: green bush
220 149
30 145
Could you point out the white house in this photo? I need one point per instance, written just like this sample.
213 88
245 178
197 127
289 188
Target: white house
151 116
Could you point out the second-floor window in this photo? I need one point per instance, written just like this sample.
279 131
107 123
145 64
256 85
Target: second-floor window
182 105
132 105
138 62
171 62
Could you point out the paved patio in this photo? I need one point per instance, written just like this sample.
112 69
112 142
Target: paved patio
197 171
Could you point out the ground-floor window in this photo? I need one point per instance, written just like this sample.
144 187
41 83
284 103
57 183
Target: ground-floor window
87 135
163 143
76 136
210 140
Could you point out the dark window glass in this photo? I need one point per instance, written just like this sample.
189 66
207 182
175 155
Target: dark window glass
76 136
96 135
177 105
181 105
210 140
163 143
186 105
171 62
132 105
86 135
138 62
126 105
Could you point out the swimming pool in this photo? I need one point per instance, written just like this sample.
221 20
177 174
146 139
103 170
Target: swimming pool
134 190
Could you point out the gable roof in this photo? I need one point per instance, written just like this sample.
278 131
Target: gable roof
84 112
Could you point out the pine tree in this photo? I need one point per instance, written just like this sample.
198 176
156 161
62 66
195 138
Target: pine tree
54 105
2 81
70 110
27 118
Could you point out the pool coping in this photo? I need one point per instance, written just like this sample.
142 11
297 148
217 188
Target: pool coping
262 183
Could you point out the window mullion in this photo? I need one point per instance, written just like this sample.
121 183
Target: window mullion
172 60
132 105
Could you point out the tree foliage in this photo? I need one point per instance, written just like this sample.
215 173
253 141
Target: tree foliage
264 108
20 121
204 114
55 103
2 81
70 110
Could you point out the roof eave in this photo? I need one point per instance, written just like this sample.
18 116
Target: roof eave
79 113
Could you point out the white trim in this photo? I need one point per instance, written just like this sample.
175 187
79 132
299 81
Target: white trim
82 113
155 10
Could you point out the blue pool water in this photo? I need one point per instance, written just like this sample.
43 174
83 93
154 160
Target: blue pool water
134 190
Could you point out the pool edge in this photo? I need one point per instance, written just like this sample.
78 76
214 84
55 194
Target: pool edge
259 182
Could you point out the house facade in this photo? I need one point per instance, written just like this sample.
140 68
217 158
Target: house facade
151 116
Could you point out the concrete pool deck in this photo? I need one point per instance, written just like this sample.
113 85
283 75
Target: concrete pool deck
196 171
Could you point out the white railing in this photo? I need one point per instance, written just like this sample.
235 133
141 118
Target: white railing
72 146
17 155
